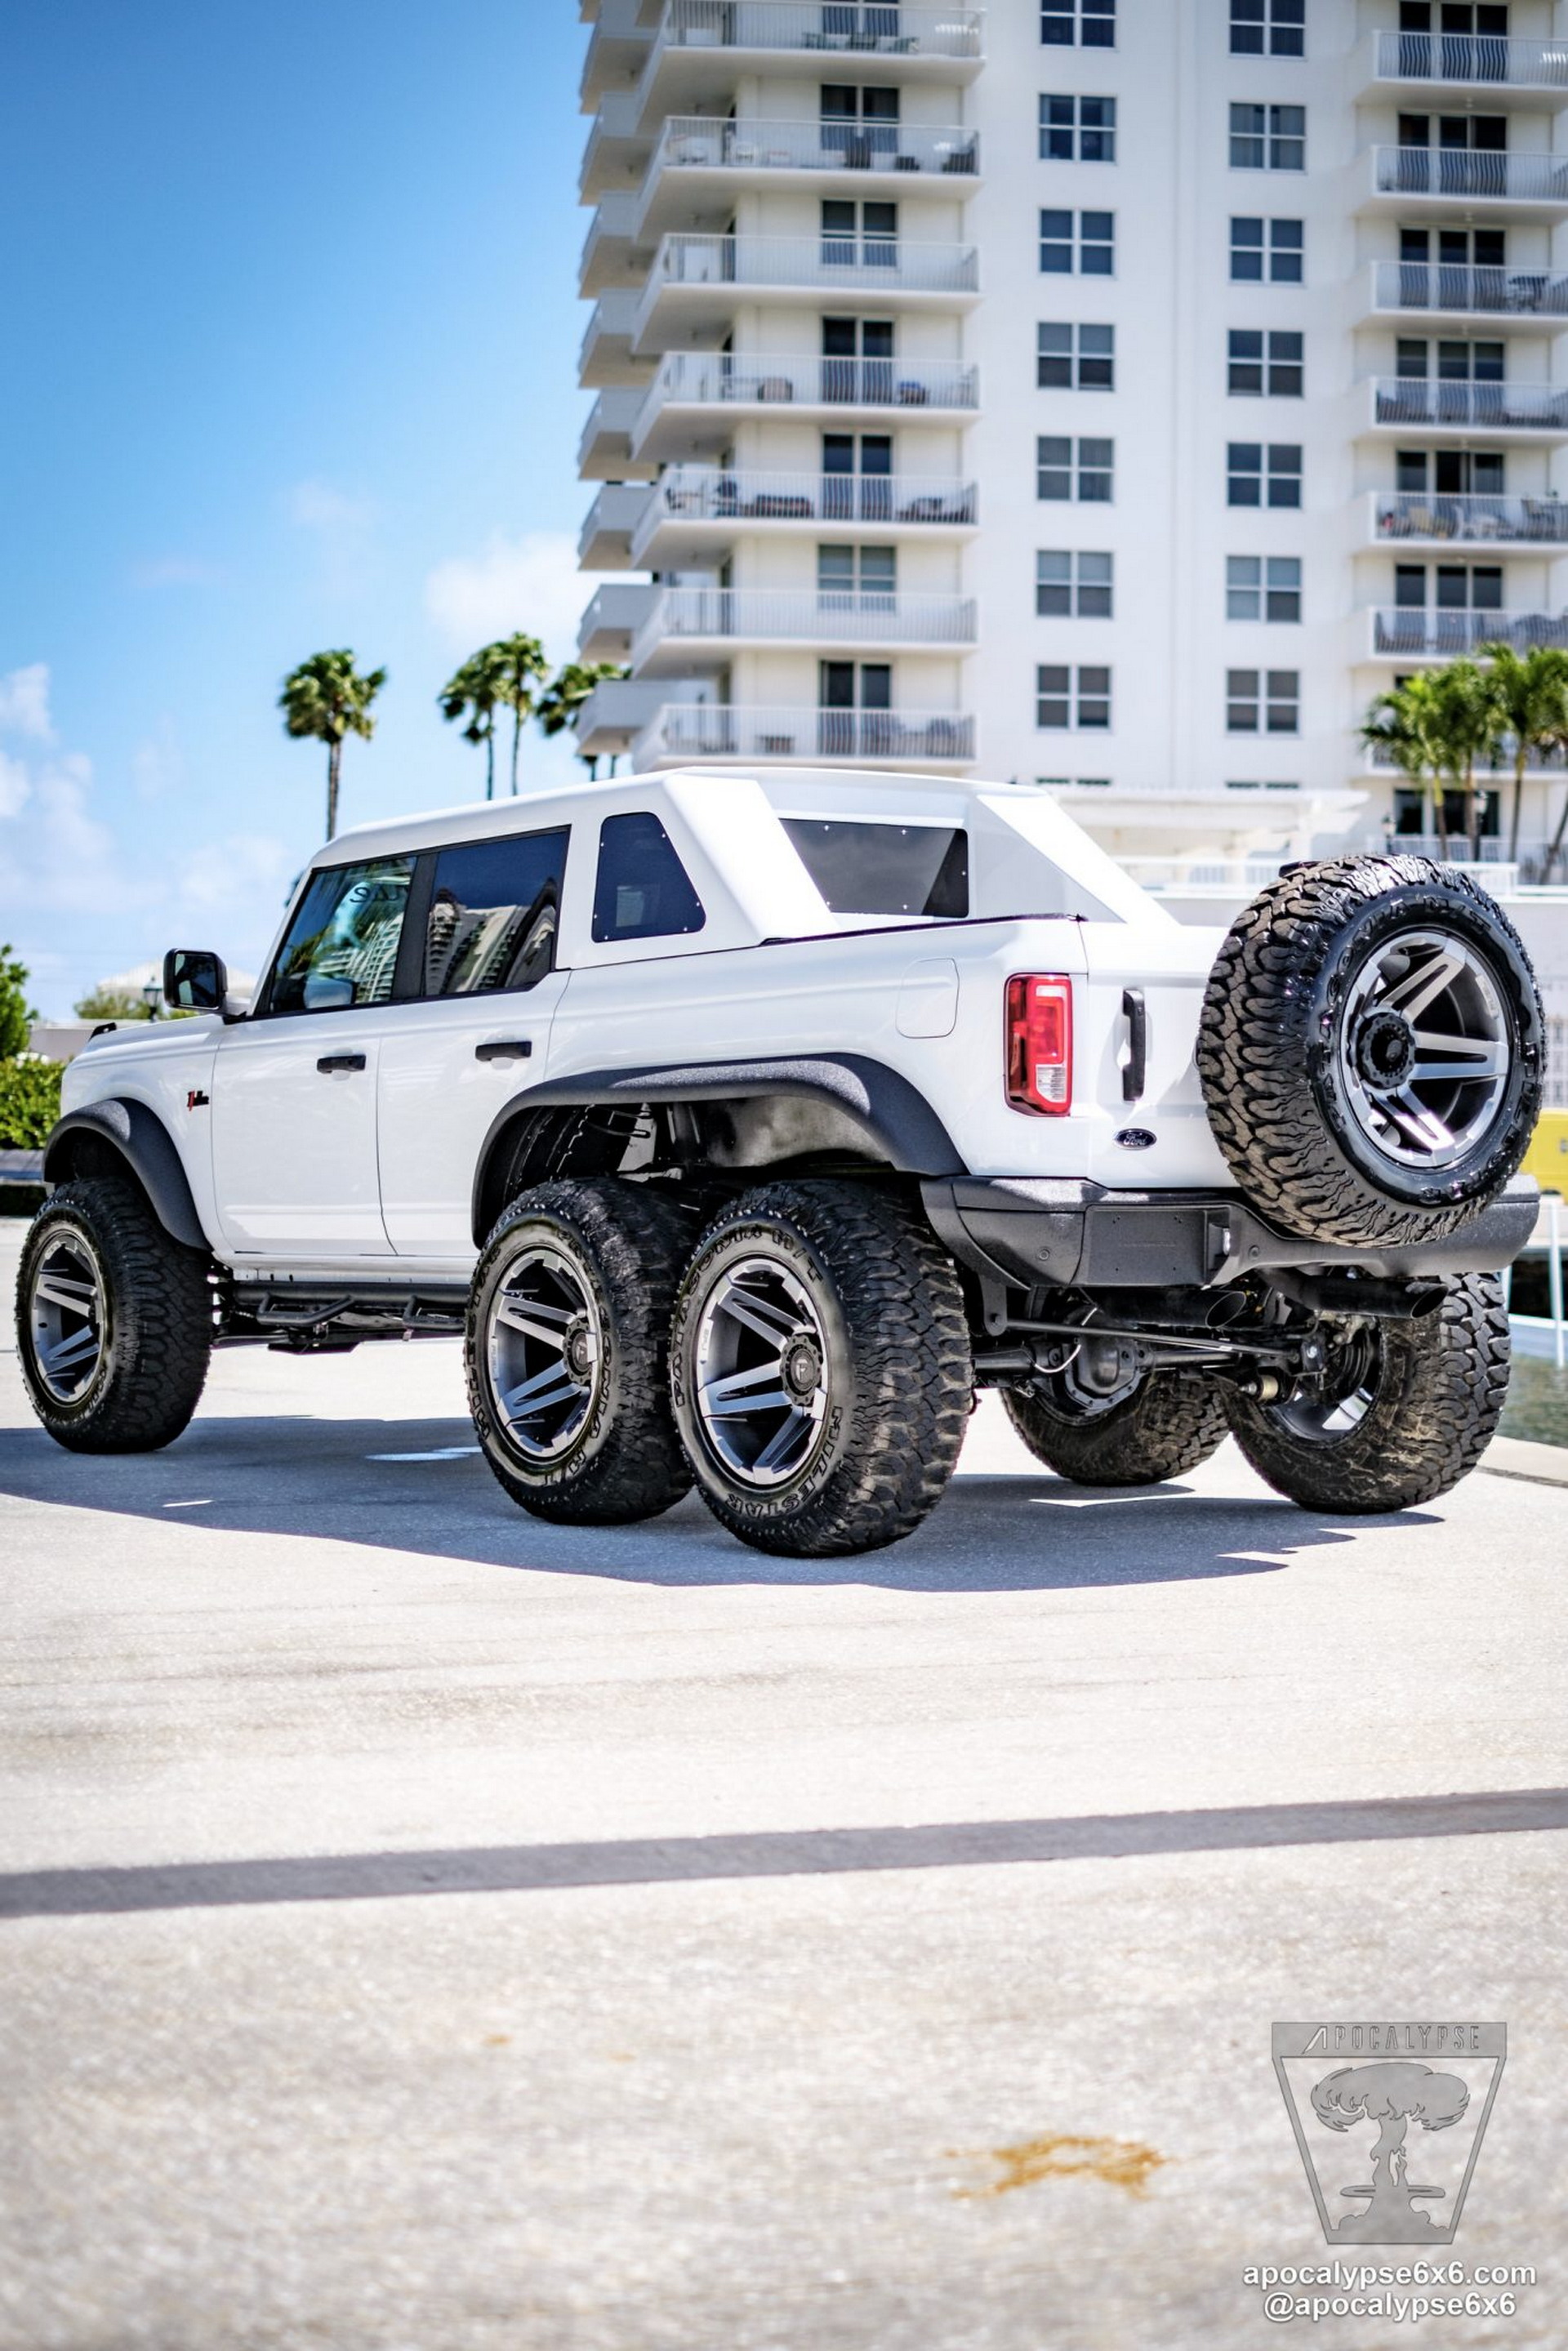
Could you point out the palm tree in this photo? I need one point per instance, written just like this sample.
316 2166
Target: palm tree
1532 702
324 699
1404 724
473 689
557 706
1467 724
519 665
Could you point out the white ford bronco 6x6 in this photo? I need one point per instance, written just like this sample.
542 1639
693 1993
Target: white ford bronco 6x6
745 1125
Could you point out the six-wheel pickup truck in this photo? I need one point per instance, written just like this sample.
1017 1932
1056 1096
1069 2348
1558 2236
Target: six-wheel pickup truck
746 1124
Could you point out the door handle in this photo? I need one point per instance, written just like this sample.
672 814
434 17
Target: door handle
504 1048
331 1061
1134 1069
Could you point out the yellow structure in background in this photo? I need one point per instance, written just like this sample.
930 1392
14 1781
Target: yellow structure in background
1547 1157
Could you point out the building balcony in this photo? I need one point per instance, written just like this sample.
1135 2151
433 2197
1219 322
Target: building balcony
614 614
605 357
694 510
695 280
609 254
698 159
605 541
615 152
698 397
690 625
617 711
1377 760
617 50
1397 633
1488 66
1432 518
1532 301
604 452
682 732
1436 408
1452 183
700 46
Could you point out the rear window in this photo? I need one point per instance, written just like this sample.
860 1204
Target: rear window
642 890
886 869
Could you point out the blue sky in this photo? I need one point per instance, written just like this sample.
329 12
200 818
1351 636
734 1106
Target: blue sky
292 364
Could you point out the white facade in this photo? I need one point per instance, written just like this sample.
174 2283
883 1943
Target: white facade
823 432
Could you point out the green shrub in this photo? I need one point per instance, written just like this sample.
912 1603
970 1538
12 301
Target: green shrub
29 1101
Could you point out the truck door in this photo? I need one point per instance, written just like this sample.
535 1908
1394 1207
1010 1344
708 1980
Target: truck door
293 1086
478 1034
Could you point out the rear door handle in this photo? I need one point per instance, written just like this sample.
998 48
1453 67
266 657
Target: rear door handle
331 1061
504 1048
1134 1069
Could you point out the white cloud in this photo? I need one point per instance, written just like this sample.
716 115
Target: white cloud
14 785
175 571
531 583
318 506
157 764
25 703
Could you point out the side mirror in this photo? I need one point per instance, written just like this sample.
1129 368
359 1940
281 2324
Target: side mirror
194 980
327 992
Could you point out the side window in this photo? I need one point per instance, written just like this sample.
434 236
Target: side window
341 947
642 889
495 906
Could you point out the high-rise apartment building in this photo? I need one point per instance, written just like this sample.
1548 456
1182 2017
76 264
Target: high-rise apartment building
1115 392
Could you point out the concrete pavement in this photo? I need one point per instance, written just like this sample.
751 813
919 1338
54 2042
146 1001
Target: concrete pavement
639 2088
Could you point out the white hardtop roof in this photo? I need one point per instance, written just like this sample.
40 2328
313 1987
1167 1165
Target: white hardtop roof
726 823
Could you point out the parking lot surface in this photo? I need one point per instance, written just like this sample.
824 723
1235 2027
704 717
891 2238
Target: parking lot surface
423 1928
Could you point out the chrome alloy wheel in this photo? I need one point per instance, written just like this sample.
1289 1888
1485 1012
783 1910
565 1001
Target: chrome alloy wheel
1340 1400
67 1317
1423 1047
761 1372
545 1353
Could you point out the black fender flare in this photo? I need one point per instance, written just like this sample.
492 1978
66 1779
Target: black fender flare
138 1136
890 1112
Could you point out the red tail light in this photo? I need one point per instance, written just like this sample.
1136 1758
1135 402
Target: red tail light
1039 1044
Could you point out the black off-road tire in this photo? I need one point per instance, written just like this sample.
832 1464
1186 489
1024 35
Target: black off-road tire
1437 1389
154 1321
1171 1422
1269 1050
628 1245
897 1378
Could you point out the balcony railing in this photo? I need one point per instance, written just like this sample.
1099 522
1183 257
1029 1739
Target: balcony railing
1421 514
721 731
699 142
1491 292
1434 634
710 493
1498 768
826 616
1470 172
885 28
883 262
1494 407
704 378
1468 57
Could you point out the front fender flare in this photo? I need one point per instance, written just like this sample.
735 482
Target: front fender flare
138 1136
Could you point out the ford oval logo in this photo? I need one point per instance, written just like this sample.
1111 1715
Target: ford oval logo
1134 1138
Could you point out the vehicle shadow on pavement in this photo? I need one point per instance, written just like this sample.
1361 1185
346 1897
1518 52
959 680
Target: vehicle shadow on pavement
419 1486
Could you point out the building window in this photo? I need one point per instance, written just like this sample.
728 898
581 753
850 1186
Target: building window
1267 138
1077 129
1265 362
1092 248
1069 584
856 235
1263 474
857 579
1262 588
1275 28
858 122
1070 358
1066 697
1265 251
1263 701
1267 784
1082 469
1091 23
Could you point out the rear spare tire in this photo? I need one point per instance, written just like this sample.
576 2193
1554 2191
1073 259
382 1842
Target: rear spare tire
1370 1049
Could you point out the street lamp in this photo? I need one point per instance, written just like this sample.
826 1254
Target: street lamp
152 997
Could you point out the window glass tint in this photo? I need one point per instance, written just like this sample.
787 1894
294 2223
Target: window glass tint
493 910
341 947
643 891
886 869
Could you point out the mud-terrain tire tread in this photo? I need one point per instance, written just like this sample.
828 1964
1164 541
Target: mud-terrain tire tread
1173 1421
638 1242
1445 1381
1251 1057
159 1310
900 1295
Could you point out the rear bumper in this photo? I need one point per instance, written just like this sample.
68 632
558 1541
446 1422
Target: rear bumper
1056 1235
